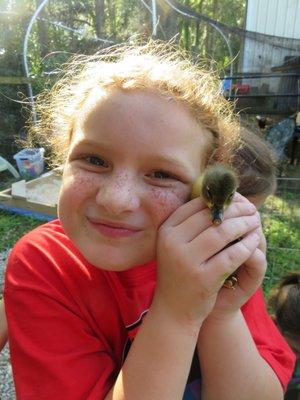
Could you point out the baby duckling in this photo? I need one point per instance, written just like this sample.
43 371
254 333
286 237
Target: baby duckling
217 186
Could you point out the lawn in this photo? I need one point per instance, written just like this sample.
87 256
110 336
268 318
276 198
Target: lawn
281 223
12 227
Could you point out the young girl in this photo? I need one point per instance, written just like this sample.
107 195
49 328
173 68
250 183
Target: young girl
122 297
255 164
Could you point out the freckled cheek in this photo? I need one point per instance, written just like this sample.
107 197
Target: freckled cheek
165 201
77 187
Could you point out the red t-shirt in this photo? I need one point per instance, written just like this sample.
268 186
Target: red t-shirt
71 324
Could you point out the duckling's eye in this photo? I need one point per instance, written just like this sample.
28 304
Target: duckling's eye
97 161
208 192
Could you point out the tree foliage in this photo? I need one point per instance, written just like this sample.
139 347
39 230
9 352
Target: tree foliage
65 27
83 26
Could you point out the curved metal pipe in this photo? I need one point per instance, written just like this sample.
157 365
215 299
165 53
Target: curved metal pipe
25 61
211 24
154 18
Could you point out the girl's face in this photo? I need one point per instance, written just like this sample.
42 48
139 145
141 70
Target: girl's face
132 159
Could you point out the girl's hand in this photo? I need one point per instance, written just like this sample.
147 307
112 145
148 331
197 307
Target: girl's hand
193 261
250 276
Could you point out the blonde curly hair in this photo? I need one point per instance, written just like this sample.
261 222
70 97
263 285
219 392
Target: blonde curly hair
158 66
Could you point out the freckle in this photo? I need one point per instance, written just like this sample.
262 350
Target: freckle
80 182
84 182
121 182
165 202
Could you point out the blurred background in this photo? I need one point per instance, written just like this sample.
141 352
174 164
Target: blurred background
254 45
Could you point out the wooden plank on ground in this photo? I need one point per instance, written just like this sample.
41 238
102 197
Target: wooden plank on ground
8 201
19 198
18 189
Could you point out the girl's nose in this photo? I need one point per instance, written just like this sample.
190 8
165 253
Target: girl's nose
119 194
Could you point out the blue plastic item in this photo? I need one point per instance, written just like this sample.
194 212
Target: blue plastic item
27 213
30 162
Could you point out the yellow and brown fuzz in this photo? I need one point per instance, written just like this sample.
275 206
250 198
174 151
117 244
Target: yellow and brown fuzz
216 186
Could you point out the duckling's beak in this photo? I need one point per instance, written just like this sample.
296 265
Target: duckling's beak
217 215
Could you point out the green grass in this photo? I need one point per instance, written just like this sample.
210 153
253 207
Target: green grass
281 223
13 226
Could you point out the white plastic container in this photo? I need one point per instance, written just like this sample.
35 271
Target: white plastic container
30 162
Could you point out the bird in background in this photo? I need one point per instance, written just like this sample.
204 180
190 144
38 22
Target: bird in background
216 186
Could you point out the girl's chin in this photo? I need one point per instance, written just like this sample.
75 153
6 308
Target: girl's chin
114 254
110 260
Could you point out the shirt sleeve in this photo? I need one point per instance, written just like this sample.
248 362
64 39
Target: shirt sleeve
55 354
268 339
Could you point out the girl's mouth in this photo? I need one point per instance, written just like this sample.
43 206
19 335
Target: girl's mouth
114 230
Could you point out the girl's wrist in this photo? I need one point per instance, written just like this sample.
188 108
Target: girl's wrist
181 323
220 319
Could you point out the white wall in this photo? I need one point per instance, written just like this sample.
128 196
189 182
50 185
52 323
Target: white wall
276 18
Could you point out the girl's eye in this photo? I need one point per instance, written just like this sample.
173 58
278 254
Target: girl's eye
162 175
97 161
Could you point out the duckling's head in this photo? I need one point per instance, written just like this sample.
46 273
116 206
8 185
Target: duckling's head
217 186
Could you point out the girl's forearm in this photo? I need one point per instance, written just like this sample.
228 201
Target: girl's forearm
159 360
3 325
231 365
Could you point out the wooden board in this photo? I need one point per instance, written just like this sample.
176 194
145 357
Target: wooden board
18 190
39 195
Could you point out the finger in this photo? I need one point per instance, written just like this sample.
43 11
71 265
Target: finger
255 266
238 197
239 208
193 206
216 238
226 262
250 276
200 221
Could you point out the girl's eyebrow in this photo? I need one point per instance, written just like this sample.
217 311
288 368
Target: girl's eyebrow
88 145
88 142
172 161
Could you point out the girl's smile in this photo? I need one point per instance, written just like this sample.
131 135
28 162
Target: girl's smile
132 159
113 229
